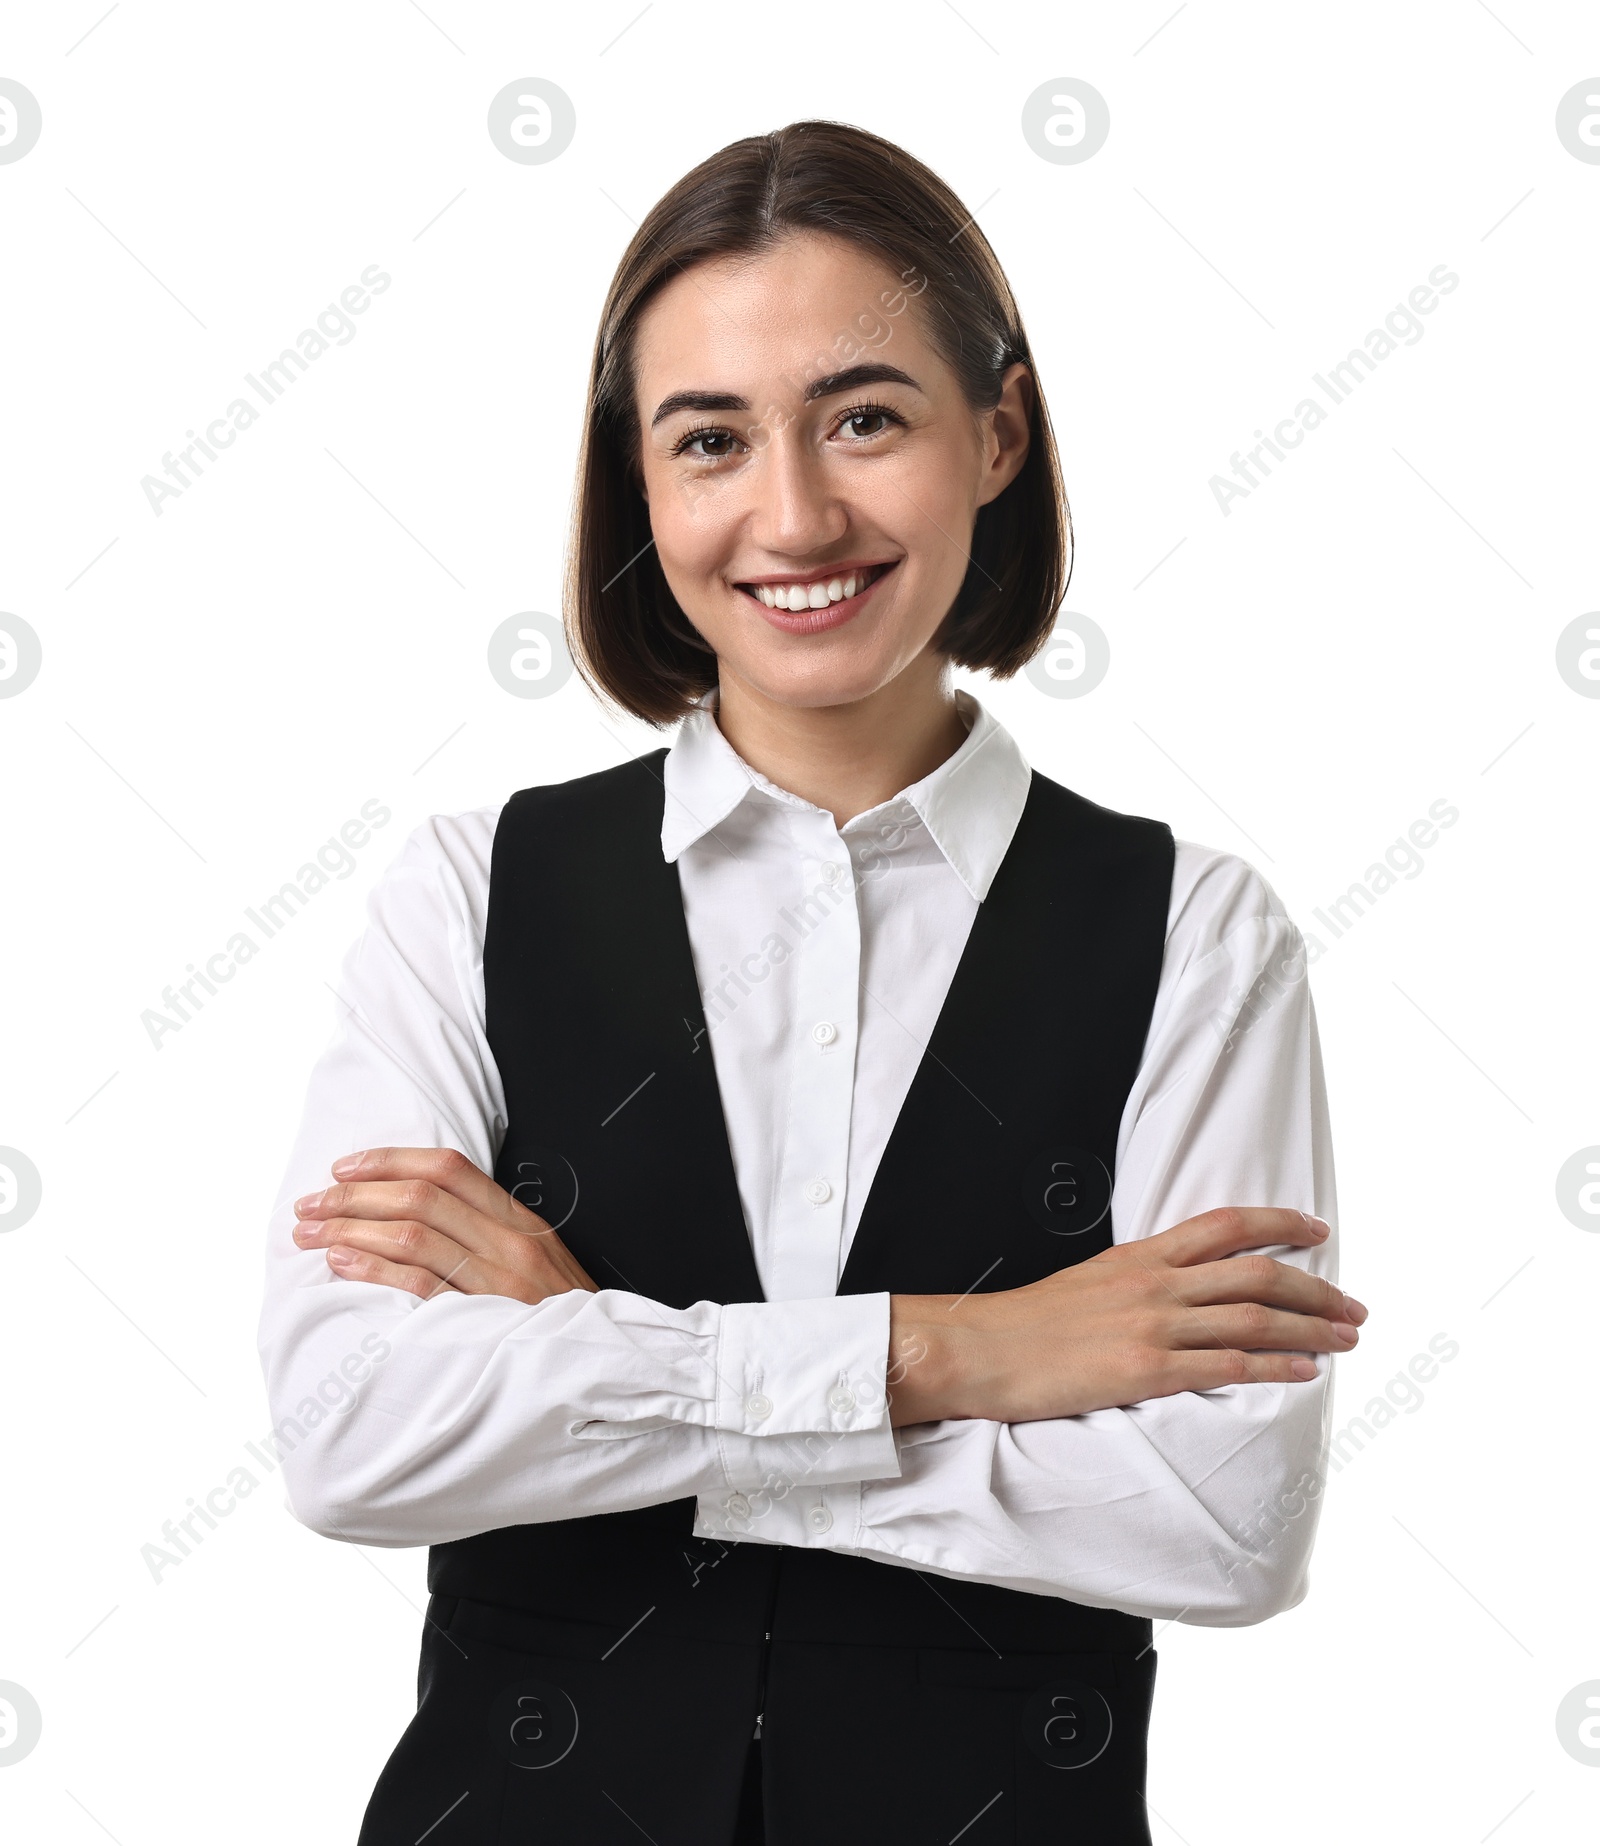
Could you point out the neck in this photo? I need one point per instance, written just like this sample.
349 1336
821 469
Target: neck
847 758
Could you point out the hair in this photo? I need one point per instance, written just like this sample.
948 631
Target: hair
628 637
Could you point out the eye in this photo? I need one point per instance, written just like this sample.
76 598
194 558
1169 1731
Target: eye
868 413
704 432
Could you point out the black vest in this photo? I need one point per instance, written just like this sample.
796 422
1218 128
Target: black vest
997 1173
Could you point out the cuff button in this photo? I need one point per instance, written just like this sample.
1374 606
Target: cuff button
819 1519
842 1399
757 1406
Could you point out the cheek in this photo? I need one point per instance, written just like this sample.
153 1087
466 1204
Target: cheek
692 523
917 494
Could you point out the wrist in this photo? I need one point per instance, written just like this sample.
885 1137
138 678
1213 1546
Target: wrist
928 1360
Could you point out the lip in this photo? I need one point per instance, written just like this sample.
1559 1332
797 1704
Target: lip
816 621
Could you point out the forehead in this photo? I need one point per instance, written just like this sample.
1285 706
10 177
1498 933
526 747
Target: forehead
788 313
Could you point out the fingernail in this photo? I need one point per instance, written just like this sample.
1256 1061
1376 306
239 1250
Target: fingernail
1344 1330
1354 1310
346 1164
309 1202
1320 1227
341 1259
1303 1368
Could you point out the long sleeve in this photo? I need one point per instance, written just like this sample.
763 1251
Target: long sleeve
1200 1506
408 1422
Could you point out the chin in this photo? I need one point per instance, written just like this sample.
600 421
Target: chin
842 682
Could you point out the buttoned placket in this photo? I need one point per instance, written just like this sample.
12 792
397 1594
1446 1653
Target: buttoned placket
809 1201
805 1252
801 1240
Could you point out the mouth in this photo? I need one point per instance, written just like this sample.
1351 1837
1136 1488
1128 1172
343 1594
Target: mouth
806 605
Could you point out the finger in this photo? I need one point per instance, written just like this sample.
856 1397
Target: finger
1265 1279
402 1243
1219 1233
1211 1371
410 1244
352 1265
447 1168
459 1200
1253 1328
418 1200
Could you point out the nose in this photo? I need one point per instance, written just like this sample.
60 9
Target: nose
797 507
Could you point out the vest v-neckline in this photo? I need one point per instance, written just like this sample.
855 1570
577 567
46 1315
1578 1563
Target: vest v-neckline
974 966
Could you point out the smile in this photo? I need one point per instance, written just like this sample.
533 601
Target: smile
797 593
802 605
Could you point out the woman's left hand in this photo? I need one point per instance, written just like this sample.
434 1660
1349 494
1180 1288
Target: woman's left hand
427 1220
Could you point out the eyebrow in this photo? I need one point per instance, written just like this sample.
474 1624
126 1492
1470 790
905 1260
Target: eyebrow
848 380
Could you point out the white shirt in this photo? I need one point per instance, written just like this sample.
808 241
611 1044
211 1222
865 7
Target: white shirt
408 1422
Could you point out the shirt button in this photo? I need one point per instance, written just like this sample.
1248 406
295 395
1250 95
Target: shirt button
757 1406
841 1398
738 1506
832 873
819 1519
817 1191
824 1032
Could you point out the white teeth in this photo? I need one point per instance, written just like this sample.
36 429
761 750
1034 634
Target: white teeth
798 596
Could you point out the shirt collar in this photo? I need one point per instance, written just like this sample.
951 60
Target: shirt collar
970 804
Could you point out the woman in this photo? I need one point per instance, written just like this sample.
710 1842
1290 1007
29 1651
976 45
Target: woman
787 1247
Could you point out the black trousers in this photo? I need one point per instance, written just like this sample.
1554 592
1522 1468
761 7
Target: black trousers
529 1729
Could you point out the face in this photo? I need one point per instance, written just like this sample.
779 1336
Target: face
812 469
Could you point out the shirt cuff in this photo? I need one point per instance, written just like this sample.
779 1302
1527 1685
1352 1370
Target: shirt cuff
799 1368
801 1393
789 1392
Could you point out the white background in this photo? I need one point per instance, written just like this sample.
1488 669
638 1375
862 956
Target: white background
1373 629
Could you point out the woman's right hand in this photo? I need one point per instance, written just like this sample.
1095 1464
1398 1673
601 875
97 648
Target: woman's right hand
1179 1311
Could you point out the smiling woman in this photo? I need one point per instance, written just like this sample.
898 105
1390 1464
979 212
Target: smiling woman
820 1234
771 354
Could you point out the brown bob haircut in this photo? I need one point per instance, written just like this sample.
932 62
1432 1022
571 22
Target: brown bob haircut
628 637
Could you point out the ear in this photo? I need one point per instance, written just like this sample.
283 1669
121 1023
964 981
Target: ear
1008 432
